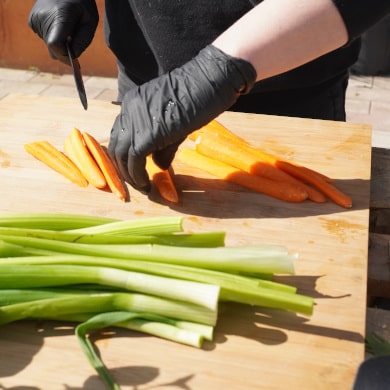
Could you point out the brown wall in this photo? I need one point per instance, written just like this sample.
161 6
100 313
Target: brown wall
21 48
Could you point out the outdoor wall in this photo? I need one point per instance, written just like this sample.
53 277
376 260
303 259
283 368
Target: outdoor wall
21 48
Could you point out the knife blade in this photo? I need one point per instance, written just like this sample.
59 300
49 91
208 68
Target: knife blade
76 69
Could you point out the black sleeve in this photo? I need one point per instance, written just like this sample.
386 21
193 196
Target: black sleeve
360 15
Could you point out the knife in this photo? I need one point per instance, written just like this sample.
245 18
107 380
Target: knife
77 75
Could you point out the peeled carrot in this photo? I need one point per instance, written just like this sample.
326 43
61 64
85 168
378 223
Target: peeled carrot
55 159
162 179
328 189
114 182
207 142
78 152
217 129
244 158
280 190
239 156
252 160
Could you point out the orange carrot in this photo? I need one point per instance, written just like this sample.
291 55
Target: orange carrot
77 151
114 181
162 179
244 158
240 156
328 189
55 159
249 159
280 190
217 129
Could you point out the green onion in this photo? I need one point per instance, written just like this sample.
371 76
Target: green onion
50 308
29 276
147 275
233 287
146 226
244 259
53 221
208 239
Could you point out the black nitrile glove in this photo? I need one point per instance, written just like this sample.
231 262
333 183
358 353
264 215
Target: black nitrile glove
55 21
158 115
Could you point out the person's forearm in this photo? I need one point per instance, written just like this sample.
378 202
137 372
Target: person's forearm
279 35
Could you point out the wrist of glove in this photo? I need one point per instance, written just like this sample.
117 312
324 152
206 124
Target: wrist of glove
157 116
55 21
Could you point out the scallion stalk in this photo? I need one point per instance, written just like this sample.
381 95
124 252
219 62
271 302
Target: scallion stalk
51 308
52 221
30 276
243 259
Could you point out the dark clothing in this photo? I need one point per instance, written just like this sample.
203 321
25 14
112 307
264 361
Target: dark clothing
151 38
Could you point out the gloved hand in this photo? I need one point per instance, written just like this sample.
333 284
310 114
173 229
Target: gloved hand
55 21
158 115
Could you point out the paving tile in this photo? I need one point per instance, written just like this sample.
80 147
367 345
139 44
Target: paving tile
108 95
354 105
360 81
60 90
102 82
382 83
16 74
12 86
53 79
381 139
380 94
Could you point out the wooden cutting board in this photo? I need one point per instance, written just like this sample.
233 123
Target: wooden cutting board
254 348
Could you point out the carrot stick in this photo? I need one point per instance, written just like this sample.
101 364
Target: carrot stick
249 159
328 189
280 190
238 155
217 129
77 151
114 182
162 179
55 159
243 157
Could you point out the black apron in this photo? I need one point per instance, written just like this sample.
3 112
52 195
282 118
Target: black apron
152 37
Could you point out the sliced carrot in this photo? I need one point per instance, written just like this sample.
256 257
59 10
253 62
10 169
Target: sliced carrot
114 181
55 159
240 156
162 179
246 158
78 152
217 129
328 189
280 190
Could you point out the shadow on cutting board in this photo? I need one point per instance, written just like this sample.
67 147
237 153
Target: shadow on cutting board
215 198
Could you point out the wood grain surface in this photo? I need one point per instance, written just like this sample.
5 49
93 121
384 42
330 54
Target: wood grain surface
254 348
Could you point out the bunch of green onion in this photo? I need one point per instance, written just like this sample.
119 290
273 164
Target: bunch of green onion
145 274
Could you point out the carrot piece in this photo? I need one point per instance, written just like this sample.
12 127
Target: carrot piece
114 181
162 179
240 156
217 129
280 190
56 160
77 151
328 189
246 158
